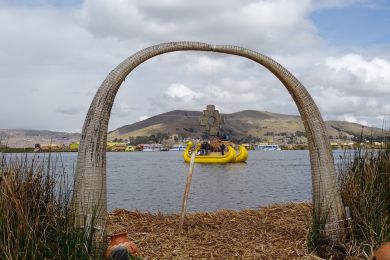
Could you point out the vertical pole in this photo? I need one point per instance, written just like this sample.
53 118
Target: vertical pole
1 162
1 155
187 189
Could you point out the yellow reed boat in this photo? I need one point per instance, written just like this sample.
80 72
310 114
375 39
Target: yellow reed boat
241 155
216 158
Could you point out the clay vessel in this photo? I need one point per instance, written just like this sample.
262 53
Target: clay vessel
120 247
383 252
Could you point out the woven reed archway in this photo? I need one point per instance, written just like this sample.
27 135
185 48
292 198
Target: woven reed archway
90 193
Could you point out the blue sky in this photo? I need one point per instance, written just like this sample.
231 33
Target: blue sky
355 25
55 54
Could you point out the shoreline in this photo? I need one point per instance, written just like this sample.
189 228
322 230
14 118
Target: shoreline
31 150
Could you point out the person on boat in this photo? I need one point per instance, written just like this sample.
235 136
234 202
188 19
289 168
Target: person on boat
207 147
223 146
203 148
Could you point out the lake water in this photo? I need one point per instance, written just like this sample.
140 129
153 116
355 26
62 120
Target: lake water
155 181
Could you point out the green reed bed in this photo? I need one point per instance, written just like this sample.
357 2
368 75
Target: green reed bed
36 220
365 188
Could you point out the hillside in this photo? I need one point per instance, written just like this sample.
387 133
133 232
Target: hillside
266 126
244 126
28 138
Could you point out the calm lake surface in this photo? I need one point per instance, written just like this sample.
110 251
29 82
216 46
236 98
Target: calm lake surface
155 181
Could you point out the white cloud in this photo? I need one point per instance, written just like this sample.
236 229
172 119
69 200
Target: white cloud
351 118
376 72
181 92
320 4
70 110
115 17
350 87
208 66
222 95
250 23
144 117
121 110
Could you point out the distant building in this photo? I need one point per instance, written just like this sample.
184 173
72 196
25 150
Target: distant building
51 147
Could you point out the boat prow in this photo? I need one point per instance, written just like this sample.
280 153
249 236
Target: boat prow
241 155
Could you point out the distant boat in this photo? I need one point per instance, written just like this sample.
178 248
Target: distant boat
130 148
267 147
178 147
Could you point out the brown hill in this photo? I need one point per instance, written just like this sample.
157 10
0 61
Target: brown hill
266 126
28 138
259 125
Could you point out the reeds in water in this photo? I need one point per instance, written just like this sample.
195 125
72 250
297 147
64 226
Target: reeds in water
36 219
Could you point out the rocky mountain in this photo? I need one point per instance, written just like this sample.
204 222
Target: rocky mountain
266 126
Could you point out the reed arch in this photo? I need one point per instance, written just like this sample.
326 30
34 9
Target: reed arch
90 193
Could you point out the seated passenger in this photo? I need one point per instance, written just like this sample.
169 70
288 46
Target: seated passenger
223 146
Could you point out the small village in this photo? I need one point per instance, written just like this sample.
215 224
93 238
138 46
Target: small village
178 143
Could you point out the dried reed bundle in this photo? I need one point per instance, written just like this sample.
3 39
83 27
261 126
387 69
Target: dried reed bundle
273 232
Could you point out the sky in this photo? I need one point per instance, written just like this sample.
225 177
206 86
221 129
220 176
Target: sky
55 54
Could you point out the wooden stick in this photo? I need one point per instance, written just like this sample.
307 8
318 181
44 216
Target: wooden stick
1 162
187 189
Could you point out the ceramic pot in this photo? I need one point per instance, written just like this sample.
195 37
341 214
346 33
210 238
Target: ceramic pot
383 252
120 247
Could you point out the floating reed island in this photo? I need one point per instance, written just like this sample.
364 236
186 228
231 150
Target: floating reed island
37 221
272 232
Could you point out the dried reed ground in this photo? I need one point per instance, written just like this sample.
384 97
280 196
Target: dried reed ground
273 232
